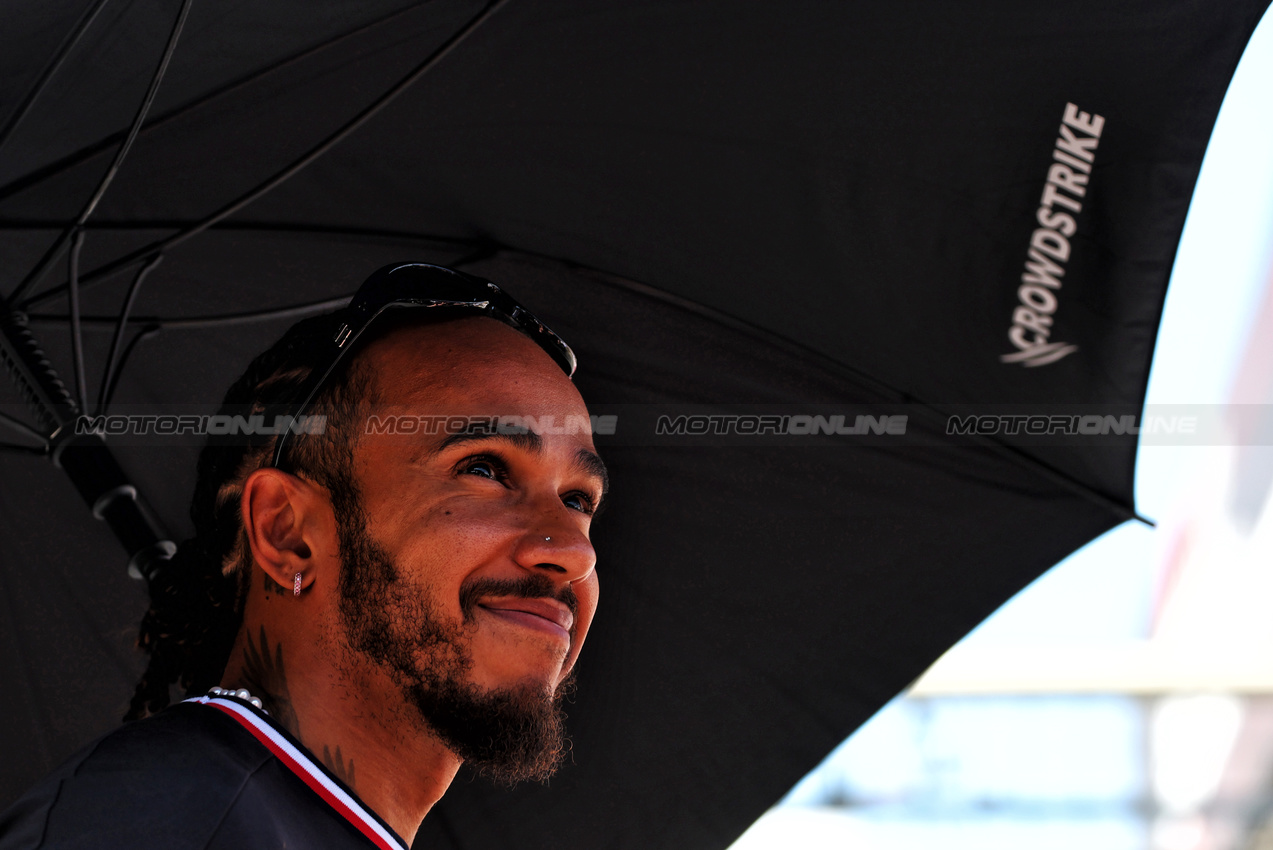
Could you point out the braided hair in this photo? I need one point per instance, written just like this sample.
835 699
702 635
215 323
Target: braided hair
196 601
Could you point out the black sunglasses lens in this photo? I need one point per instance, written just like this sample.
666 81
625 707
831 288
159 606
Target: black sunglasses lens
425 283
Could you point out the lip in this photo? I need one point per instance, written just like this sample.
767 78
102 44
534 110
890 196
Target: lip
545 615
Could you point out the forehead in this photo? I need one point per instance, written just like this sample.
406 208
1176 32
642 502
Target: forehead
473 379
473 365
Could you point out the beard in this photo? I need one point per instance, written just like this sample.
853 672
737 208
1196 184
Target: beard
507 734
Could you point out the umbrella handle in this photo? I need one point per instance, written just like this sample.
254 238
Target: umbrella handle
105 488
82 453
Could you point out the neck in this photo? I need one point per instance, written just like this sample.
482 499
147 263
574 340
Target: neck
358 725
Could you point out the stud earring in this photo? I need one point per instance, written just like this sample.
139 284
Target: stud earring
296 585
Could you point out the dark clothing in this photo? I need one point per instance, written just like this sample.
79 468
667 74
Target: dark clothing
209 774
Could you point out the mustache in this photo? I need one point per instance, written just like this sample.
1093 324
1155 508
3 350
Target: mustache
534 586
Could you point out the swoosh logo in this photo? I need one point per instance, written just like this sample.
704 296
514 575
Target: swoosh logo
1040 355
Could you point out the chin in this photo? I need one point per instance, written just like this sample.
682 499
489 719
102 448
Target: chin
523 683
520 669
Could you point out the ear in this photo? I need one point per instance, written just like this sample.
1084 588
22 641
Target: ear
284 517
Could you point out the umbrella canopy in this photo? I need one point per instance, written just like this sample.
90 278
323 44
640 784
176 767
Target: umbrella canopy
728 210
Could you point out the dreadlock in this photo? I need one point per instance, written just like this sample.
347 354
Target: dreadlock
196 601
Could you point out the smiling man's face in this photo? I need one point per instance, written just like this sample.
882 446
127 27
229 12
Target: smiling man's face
469 574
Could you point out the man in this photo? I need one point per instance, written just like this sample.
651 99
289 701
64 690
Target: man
373 602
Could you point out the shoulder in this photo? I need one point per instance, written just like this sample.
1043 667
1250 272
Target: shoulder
190 778
170 778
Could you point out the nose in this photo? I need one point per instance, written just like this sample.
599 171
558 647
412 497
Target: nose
557 546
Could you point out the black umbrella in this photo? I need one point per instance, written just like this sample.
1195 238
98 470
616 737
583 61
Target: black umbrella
729 210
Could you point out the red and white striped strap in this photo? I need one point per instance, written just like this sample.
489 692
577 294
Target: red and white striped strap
304 766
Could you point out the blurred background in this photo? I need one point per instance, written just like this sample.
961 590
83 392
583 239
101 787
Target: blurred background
1124 701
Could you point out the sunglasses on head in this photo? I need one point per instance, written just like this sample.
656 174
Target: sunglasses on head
413 285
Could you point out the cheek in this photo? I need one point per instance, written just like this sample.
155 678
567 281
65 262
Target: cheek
589 589
434 534
586 592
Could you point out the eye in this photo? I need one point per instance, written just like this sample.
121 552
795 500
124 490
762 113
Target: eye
577 501
483 466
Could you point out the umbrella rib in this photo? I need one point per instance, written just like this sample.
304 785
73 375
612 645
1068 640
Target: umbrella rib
133 225
55 63
1123 512
121 327
219 320
155 324
77 335
105 271
81 156
934 414
108 391
55 249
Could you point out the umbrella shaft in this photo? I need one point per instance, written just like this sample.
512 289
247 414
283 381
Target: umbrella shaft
85 458
33 375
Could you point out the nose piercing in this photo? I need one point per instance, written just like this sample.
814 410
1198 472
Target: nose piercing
546 539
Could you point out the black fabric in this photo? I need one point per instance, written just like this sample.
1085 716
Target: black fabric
744 202
189 778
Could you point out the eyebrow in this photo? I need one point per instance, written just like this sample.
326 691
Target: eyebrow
587 462
523 439
590 463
